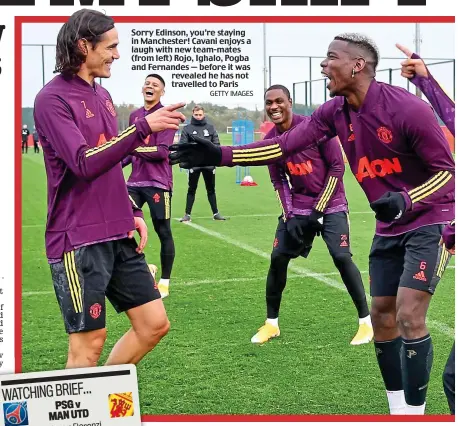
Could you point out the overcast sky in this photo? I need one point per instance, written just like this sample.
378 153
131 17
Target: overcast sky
438 41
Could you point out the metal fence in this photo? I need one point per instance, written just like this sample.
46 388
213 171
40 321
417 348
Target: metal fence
312 91
38 60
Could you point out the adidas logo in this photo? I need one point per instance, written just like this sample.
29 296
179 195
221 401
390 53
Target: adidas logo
343 244
420 276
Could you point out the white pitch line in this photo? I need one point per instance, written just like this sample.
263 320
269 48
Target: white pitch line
186 283
258 215
209 217
443 328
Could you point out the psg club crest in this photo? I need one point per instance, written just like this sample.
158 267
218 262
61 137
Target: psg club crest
95 310
121 404
15 413
384 134
110 108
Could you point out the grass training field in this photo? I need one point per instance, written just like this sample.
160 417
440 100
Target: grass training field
206 364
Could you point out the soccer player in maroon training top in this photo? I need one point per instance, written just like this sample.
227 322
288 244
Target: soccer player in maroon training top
151 179
448 376
401 158
313 203
91 221
416 71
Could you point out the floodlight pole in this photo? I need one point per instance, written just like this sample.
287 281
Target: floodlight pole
417 51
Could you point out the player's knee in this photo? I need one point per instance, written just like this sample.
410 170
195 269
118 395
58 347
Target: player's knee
97 342
165 234
341 259
151 334
87 348
409 322
383 316
278 260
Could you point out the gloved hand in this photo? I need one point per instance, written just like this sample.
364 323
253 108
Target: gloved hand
389 207
294 227
199 152
315 222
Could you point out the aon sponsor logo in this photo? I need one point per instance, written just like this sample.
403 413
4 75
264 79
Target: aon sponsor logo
377 168
300 169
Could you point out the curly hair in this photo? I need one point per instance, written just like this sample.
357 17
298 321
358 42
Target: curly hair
86 23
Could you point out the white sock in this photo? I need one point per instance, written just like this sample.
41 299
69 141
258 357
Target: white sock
415 409
273 321
366 320
164 281
396 402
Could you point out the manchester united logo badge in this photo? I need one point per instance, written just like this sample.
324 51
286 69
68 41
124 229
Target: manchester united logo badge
95 310
384 134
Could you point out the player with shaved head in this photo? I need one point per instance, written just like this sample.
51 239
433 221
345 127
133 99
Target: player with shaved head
402 160
309 186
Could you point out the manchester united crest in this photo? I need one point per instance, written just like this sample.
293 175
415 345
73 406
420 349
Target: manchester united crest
95 310
384 134
110 108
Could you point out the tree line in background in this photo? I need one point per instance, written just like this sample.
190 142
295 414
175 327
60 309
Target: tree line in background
220 116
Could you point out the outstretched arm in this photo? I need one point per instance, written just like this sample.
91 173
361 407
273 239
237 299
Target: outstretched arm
417 72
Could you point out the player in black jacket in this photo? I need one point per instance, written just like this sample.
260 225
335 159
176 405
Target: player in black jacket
200 127
25 132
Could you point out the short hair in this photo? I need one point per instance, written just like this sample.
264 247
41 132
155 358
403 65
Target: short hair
279 87
156 76
198 108
363 42
85 23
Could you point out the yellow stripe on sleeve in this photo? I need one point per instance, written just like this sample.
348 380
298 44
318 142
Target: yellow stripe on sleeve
331 185
259 149
434 184
146 149
129 131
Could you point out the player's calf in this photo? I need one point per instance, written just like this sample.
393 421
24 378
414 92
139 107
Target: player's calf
448 380
417 347
388 344
85 348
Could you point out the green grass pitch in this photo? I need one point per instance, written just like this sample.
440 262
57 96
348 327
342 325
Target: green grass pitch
206 364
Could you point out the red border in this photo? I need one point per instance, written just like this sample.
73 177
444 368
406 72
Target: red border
17 198
253 19
19 20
